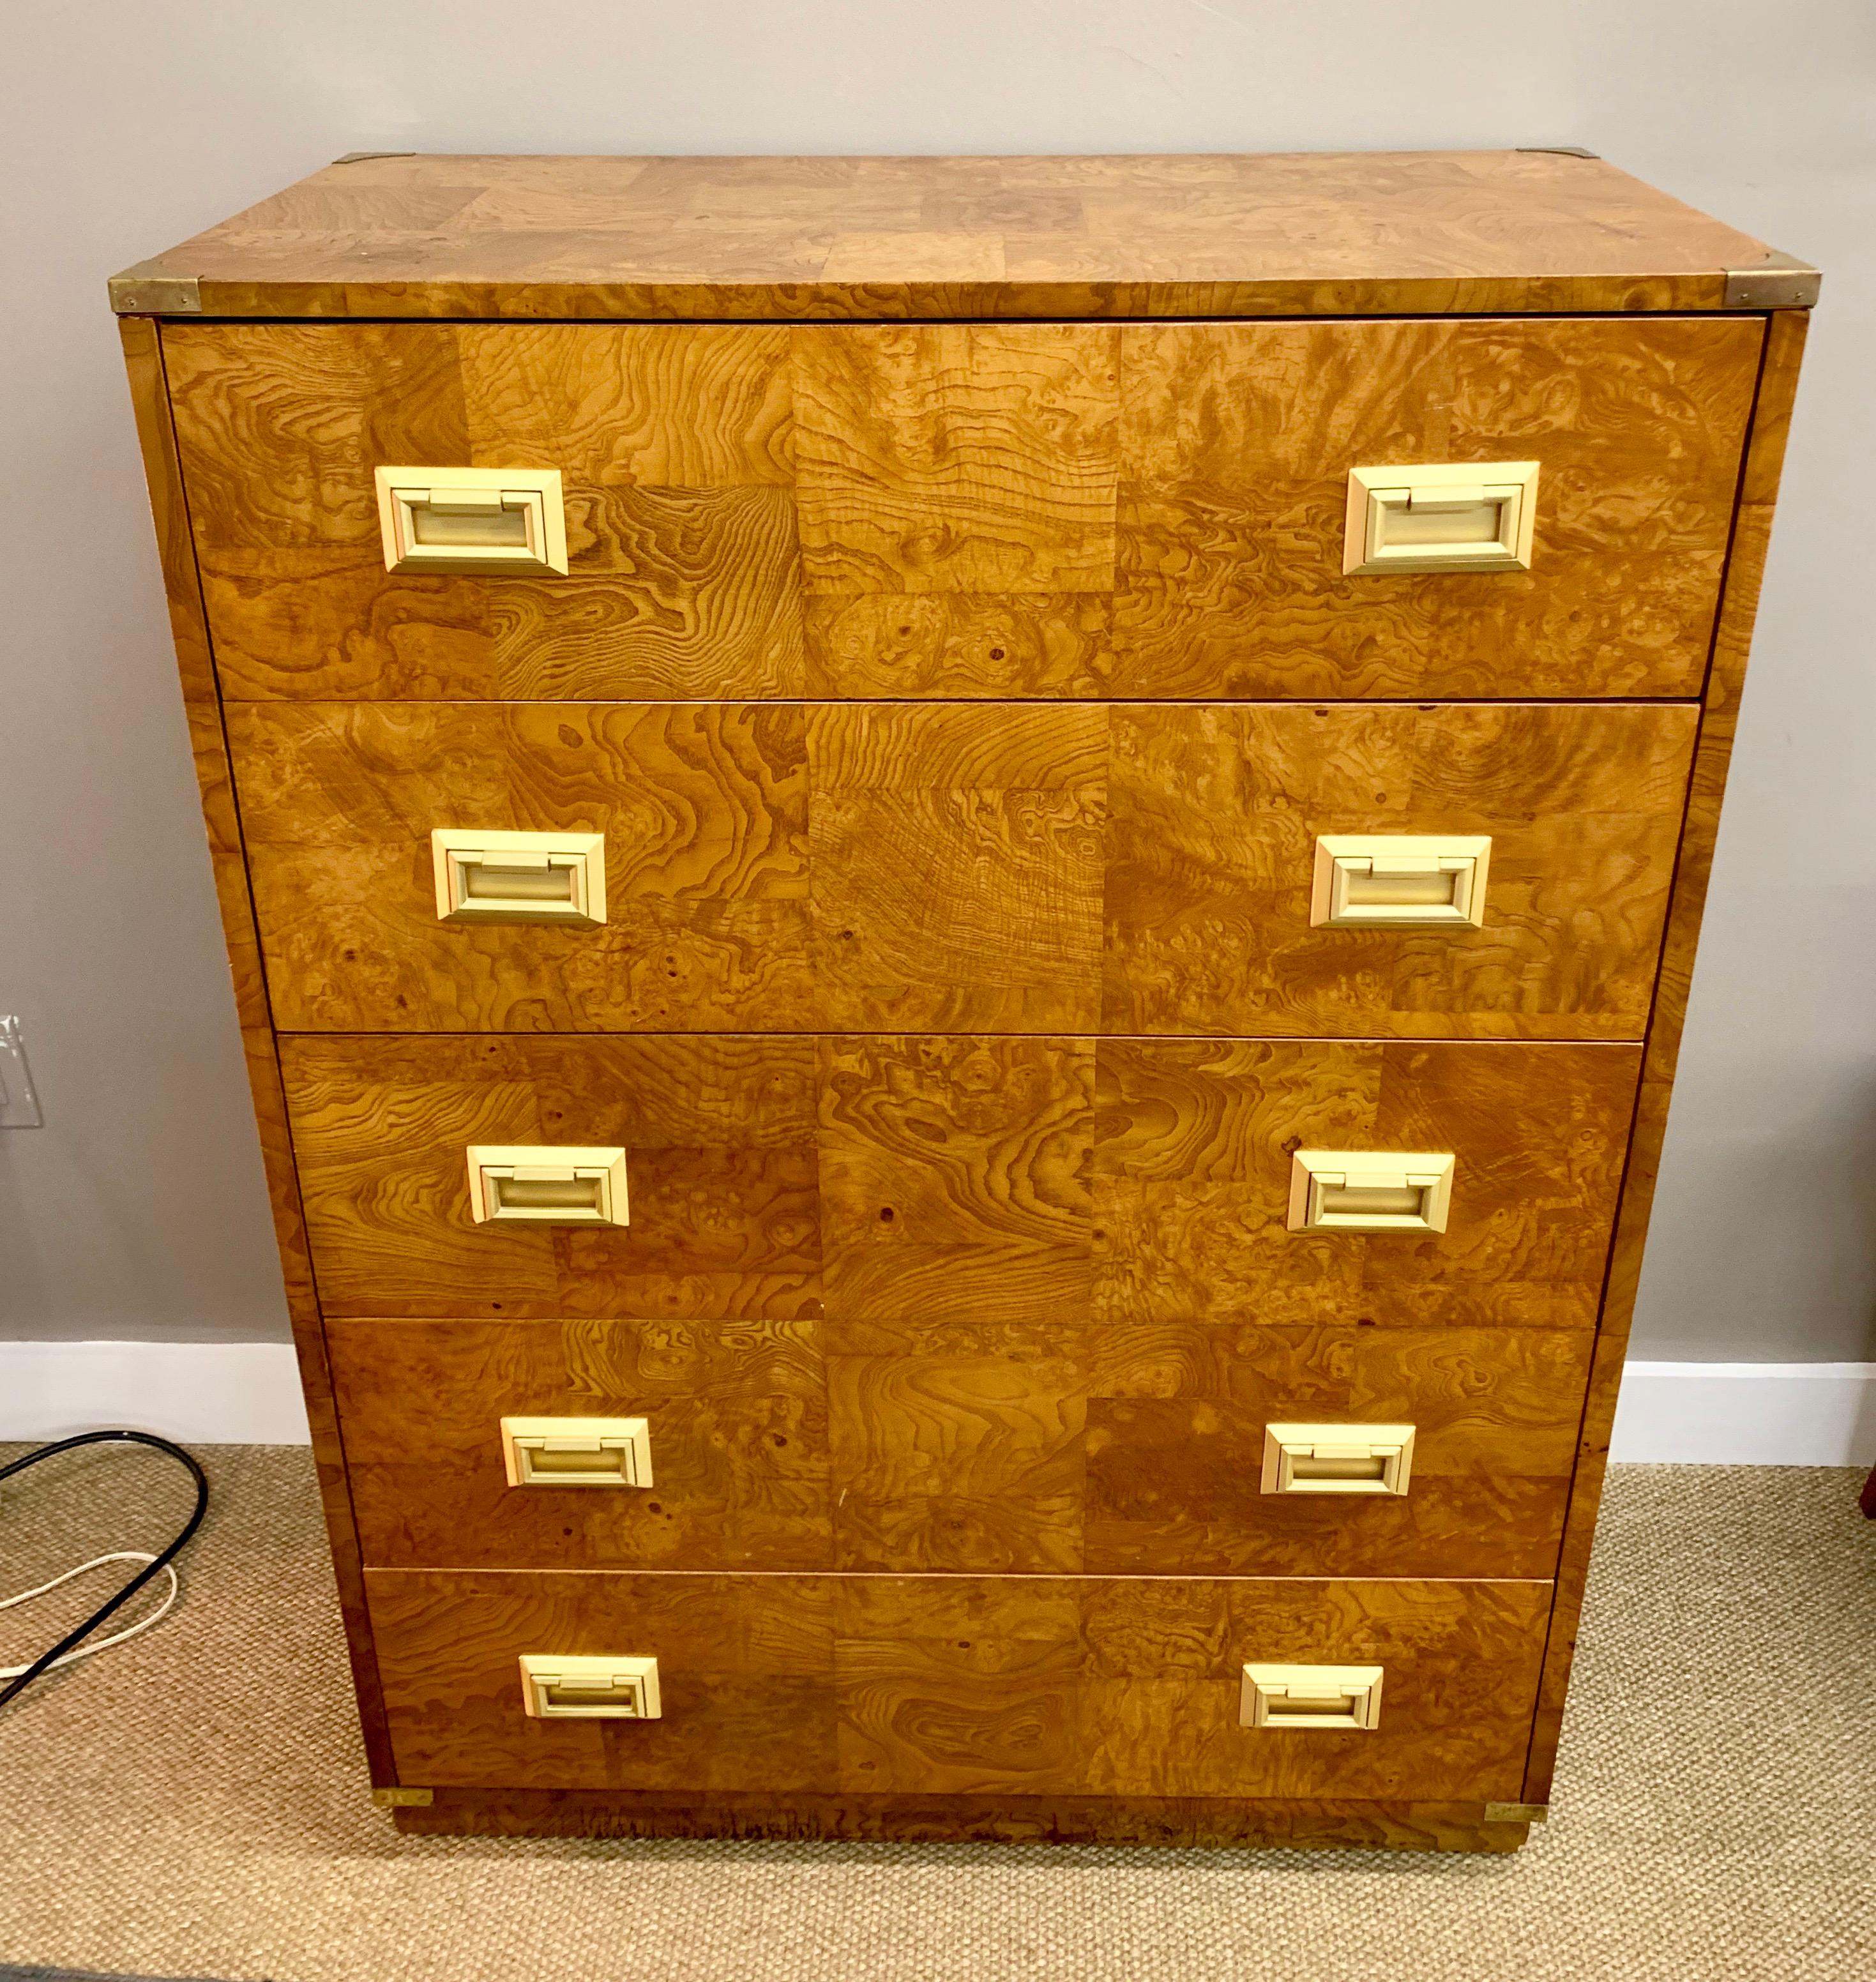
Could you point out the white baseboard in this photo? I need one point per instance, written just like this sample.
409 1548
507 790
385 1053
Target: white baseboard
198 1393
1746 1414
248 1393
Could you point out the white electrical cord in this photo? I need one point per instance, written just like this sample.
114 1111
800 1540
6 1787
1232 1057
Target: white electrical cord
116 1637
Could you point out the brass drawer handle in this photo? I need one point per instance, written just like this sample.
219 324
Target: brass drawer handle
518 877
472 519
1329 1698
1337 1459
558 1687
1400 880
1370 1190
1441 516
530 1183
577 1452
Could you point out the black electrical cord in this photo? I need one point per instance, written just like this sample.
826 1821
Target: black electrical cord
136 1582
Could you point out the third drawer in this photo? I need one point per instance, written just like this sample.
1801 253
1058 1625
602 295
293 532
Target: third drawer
953 1178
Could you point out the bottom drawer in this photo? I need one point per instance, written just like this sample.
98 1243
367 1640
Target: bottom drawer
958 1685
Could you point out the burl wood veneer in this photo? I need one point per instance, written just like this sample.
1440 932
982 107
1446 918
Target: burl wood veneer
1030 1448
1024 509
950 1177
1011 1685
950 866
957 659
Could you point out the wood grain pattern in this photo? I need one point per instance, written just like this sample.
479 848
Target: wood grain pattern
1752 535
948 866
1048 1448
943 1266
768 868
1213 813
744 1665
1033 1686
720 1165
1030 510
864 644
960 1178
959 458
969 1447
738 1412
1181 1822
957 858
1235 445
1176 1434
1226 235
955 1175
1192 1166
143 359
674 443
704 812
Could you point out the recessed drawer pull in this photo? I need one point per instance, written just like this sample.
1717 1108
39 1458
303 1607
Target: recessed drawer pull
1328 1698
518 877
1368 1190
1337 1459
550 1186
1400 880
577 1452
561 1687
472 519
1441 516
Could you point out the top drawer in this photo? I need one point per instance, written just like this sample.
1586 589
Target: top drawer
767 511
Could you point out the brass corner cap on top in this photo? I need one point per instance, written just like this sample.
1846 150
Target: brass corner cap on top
149 289
1517 1813
402 1799
1780 281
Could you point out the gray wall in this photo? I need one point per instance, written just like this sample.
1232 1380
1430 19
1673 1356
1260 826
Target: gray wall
139 1210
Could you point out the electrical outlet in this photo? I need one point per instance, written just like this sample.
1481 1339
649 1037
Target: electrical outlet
19 1105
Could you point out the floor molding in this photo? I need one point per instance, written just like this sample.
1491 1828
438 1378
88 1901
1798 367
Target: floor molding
1746 1414
248 1393
199 1393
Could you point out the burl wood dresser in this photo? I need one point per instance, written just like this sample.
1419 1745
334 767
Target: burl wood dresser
961 890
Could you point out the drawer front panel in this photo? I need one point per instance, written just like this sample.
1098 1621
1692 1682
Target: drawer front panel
992 1448
1031 509
948 867
1194 1160
783 870
705 812
1213 816
953 1178
1238 443
1031 1685
719 1133
736 1417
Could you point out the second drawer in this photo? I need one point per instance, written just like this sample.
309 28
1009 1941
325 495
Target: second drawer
991 1448
1032 868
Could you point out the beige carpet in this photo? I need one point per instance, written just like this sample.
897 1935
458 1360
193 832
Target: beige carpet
195 1803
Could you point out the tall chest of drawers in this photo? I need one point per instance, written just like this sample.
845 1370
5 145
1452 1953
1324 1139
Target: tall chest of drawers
961 891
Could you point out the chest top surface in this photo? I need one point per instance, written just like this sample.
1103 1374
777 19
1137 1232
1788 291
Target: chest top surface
833 238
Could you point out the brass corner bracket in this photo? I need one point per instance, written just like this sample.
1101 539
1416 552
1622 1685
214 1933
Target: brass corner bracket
1780 281
149 289
1517 1813
402 1799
